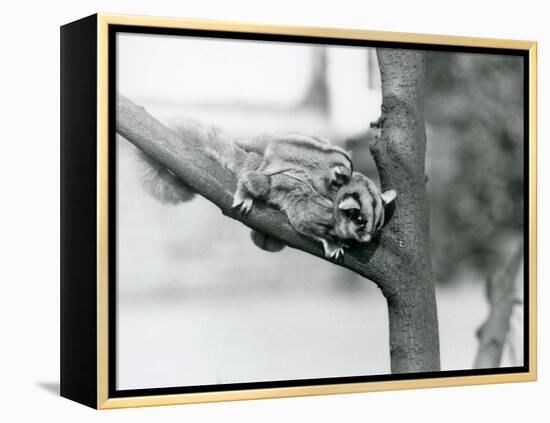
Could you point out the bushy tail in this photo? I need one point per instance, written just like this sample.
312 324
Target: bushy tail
164 185
223 149
161 183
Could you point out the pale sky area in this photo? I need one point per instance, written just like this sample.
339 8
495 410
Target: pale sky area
183 70
208 70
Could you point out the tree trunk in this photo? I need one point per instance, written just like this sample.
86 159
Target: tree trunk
399 152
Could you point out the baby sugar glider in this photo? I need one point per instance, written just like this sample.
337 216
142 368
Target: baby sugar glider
359 209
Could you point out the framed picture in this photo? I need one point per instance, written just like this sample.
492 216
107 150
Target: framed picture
257 211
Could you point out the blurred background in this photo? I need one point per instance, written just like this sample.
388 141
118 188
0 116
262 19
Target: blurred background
198 303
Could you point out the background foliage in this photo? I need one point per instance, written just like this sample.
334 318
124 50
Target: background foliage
474 107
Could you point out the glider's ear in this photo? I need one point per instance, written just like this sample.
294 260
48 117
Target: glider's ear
340 175
389 196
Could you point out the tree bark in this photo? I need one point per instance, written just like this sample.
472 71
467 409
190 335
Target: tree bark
399 152
398 259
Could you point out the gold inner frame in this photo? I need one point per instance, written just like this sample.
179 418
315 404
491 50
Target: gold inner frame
103 22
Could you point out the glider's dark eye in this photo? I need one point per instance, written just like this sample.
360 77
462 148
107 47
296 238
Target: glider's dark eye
360 220
351 213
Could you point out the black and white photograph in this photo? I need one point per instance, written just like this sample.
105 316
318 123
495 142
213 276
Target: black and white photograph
304 212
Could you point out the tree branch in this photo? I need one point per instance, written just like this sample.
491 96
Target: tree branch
209 179
502 296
